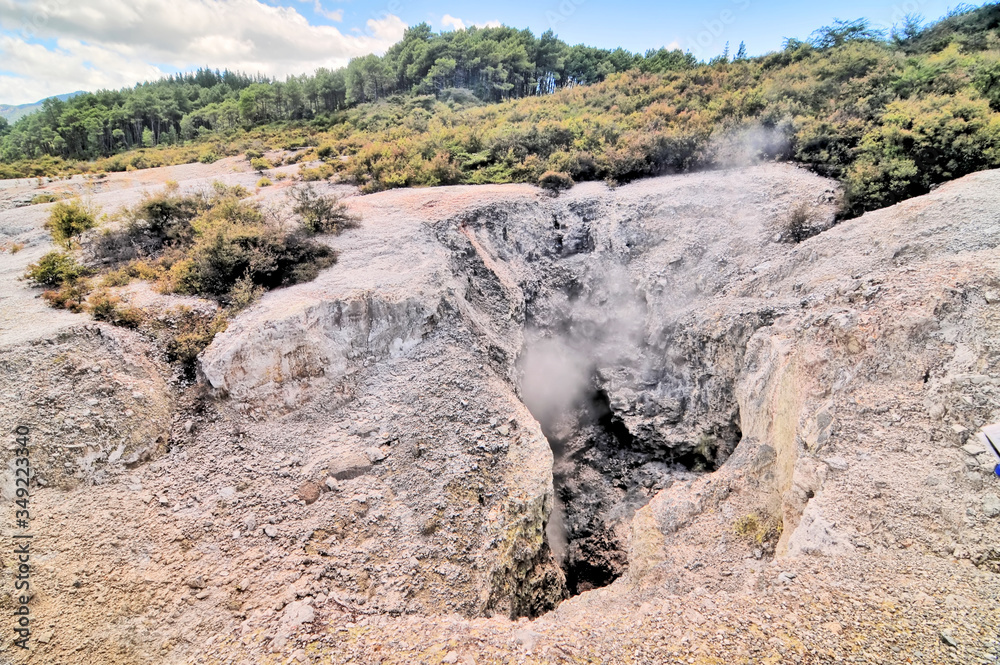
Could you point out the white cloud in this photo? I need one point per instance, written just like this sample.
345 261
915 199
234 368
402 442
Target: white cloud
335 15
449 21
455 23
125 40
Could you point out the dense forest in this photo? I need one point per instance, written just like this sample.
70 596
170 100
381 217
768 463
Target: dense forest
495 64
890 115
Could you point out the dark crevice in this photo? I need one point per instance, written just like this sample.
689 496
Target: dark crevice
601 476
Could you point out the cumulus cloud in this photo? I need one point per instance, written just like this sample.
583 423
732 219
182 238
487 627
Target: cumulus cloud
449 21
112 43
455 23
335 15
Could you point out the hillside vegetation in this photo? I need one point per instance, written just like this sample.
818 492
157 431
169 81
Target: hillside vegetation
889 115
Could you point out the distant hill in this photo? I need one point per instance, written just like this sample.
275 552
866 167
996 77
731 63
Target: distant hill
14 113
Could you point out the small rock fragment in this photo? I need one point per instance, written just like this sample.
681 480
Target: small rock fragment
836 463
786 578
375 454
271 531
350 466
298 613
991 505
196 582
308 492
526 638
974 448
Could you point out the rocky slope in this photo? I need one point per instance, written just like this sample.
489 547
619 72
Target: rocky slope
629 425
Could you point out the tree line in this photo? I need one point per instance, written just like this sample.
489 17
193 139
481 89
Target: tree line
494 64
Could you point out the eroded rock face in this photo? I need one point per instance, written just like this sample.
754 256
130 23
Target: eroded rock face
587 307
96 401
858 396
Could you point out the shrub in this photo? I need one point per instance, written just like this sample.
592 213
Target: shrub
244 293
55 269
233 240
145 229
223 190
555 181
260 164
43 198
208 157
321 213
104 307
280 175
264 182
253 154
187 333
69 296
322 172
797 227
68 220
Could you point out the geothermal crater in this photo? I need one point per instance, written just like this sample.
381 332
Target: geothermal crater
642 415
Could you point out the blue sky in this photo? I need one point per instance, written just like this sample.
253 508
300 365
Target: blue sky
49 47
637 25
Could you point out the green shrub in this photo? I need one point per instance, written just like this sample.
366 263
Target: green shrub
555 181
55 269
797 227
321 213
260 164
222 190
186 333
69 220
244 293
145 229
232 239
322 172
264 182
44 198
